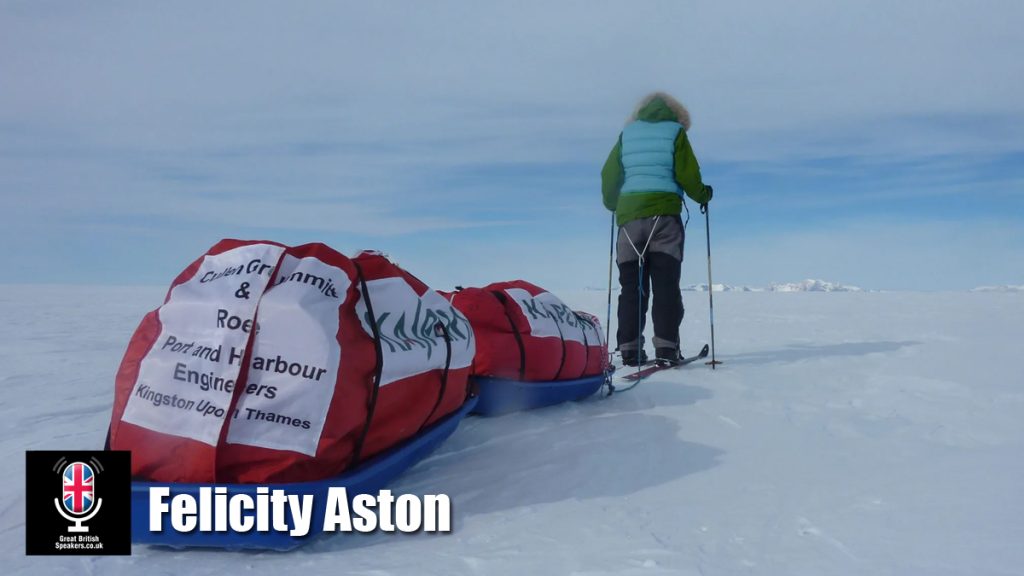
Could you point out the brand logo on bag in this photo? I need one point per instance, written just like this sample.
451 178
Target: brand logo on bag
558 312
591 325
415 330
586 322
548 316
422 328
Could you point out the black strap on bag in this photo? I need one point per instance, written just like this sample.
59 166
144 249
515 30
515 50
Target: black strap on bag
377 371
561 337
586 345
470 387
443 330
515 332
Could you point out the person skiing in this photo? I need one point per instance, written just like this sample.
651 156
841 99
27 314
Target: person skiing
643 181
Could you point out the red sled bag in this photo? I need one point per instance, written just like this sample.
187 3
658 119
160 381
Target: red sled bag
526 333
175 384
425 348
263 366
597 348
498 349
304 407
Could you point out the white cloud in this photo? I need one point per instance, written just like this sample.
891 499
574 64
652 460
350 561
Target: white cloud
168 73
302 115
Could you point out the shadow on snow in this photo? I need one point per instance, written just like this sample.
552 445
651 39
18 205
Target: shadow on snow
597 448
799 352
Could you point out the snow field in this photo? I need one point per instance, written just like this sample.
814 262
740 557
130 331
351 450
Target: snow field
846 433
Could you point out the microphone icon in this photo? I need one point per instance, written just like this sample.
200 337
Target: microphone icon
79 496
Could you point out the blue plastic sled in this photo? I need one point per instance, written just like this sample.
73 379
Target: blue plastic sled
368 478
501 396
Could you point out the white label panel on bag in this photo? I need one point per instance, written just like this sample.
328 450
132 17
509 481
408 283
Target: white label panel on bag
408 325
295 359
186 380
572 328
592 328
548 316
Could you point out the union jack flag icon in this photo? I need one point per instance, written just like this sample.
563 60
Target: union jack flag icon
78 487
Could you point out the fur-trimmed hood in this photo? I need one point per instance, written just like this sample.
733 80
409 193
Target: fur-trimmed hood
658 107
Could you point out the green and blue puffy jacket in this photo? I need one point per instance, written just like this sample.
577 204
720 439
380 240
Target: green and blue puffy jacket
652 165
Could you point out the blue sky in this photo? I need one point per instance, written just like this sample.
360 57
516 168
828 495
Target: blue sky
862 142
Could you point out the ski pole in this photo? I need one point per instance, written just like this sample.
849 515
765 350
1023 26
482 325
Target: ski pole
640 313
608 316
711 299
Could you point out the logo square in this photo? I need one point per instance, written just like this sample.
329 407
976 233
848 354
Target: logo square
77 503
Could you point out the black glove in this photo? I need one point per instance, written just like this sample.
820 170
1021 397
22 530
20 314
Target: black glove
711 193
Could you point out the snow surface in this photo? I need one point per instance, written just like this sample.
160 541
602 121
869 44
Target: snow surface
846 433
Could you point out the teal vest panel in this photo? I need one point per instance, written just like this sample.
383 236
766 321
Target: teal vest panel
648 157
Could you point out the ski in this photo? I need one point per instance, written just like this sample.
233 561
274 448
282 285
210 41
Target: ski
647 370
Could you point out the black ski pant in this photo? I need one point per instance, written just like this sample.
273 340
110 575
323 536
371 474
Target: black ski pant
661 272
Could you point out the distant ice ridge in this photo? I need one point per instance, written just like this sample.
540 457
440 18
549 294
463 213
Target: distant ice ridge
804 286
814 286
722 288
1003 288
